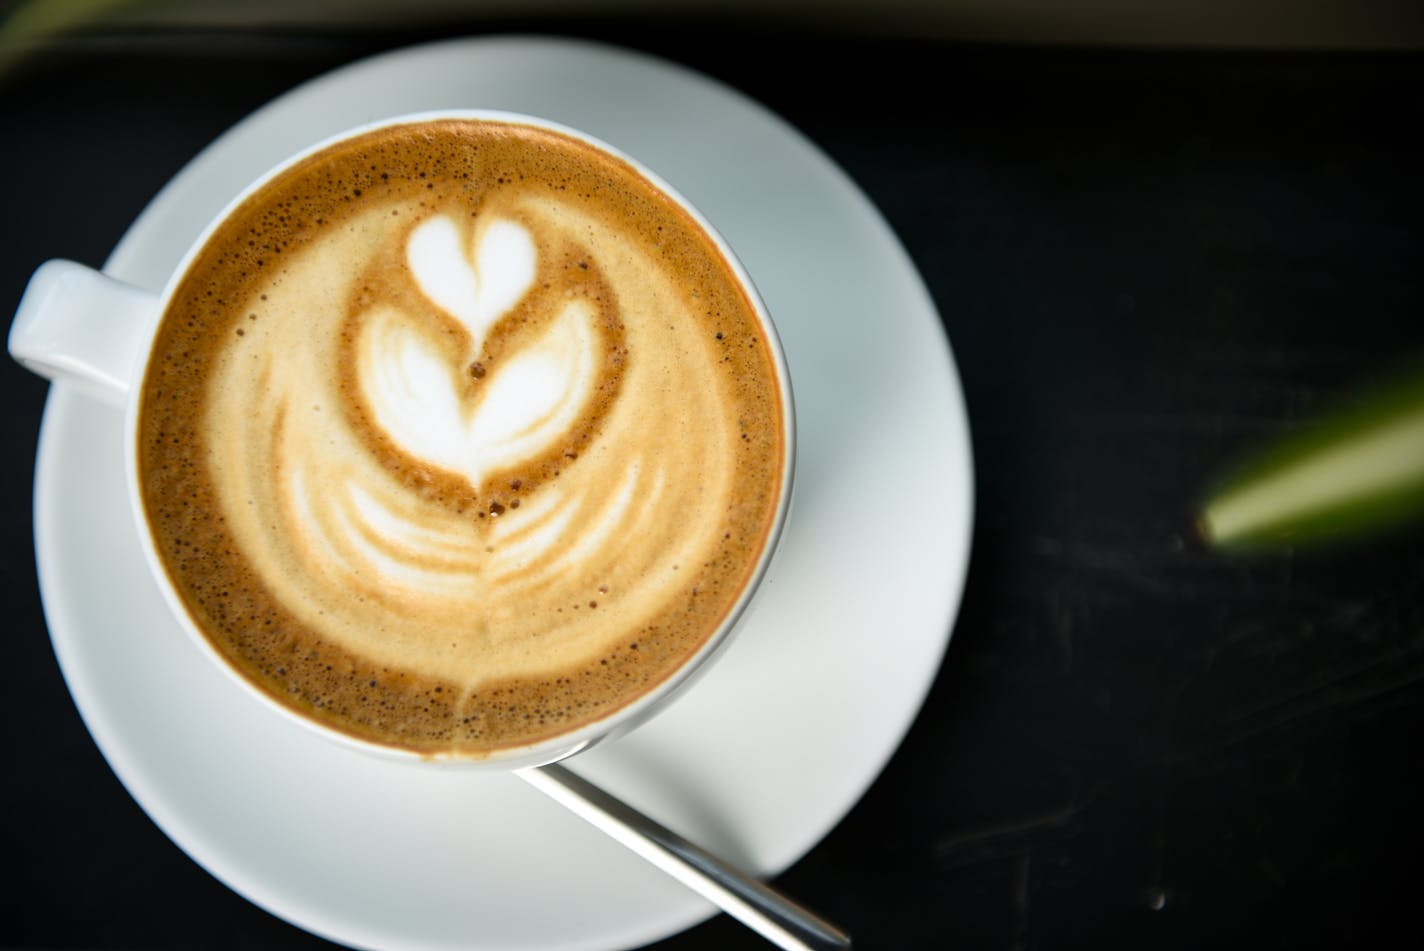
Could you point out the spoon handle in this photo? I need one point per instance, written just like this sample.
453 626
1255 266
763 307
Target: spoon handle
770 914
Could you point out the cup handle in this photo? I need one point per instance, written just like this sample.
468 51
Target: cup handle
75 325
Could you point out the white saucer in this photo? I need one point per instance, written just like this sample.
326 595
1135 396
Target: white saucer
759 761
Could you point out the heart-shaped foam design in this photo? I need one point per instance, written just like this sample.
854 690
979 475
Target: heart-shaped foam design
476 294
419 398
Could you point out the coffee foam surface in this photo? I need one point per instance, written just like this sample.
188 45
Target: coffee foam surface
475 455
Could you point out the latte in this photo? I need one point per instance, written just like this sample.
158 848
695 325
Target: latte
458 435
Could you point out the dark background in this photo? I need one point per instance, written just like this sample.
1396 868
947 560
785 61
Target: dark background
1149 262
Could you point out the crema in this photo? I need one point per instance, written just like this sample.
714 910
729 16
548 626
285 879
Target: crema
460 434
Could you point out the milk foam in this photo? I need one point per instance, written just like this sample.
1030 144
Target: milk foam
478 292
418 397
474 592
499 454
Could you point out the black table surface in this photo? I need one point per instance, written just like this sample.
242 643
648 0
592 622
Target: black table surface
1148 262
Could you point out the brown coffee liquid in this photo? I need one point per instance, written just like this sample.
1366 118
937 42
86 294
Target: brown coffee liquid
459 435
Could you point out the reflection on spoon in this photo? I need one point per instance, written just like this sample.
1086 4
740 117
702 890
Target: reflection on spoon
772 915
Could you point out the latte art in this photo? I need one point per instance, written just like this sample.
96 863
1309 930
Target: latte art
391 473
427 405
478 444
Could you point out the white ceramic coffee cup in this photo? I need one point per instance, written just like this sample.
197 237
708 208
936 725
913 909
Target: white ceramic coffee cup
76 326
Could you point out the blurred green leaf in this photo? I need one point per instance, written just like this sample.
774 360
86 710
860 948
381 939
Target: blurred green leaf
30 25
1357 471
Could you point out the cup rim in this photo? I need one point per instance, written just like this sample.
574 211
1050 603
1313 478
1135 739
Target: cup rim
622 718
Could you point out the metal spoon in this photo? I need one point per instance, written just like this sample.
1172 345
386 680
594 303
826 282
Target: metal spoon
772 915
